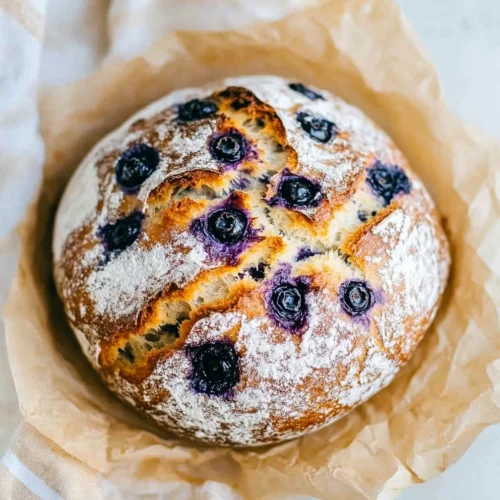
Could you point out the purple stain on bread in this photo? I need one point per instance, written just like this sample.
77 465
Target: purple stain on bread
296 191
215 368
118 236
286 302
196 109
319 129
387 181
136 165
305 253
225 230
302 89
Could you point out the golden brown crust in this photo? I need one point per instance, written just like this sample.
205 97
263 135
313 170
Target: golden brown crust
138 312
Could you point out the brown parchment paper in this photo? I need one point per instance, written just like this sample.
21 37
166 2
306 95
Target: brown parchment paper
363 51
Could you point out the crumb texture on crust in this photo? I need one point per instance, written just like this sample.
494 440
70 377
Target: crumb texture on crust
248 261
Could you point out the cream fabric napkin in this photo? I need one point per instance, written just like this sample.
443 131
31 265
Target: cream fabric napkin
21 34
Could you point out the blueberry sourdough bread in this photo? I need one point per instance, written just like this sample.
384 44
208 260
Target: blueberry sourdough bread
248 261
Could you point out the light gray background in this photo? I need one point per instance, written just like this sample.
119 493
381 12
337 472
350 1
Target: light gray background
462 37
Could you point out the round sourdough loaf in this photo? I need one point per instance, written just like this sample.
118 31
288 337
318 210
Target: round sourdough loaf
248 261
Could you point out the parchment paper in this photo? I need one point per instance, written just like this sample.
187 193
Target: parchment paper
363 51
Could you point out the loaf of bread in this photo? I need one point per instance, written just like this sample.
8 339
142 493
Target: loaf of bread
248 261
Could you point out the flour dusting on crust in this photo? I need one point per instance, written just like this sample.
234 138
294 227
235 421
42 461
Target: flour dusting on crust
117 287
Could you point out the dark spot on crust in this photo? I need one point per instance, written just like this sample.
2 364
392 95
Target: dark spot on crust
215 367
302 89
152 337
362 216
258 273
240 103
171 329
260 123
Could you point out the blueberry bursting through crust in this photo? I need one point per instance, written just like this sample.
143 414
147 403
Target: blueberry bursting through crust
286 302
214 367
298 192
135 166
386 181
356 297
119 235
225 230
319 129
196 110
228 148
227 225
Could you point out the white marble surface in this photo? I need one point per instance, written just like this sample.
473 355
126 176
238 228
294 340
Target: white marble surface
463 39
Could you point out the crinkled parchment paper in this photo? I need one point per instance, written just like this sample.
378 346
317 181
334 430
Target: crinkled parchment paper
363 51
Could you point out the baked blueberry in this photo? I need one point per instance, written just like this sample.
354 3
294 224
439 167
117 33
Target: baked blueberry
318 129
121 234
228 148
197 109
136 165
356 297
214 367
299 192
387 181
288 306
302 89
227 225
